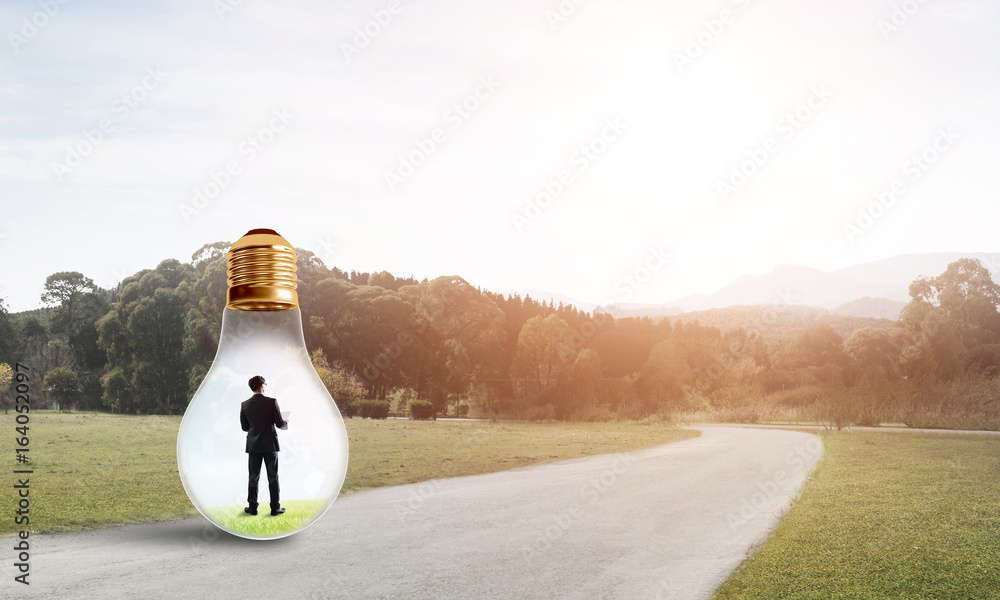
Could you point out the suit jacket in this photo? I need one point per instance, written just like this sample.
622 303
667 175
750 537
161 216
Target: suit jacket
258 417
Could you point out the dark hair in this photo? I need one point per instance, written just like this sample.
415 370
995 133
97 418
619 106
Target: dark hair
255 382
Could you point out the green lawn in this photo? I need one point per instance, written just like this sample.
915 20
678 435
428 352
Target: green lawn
94 470
263 524
887 515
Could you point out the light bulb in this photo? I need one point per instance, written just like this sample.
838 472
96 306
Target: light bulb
262 335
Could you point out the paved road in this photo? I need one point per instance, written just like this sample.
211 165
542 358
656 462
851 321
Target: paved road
881 429
667 522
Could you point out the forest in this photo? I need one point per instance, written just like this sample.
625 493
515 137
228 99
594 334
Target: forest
444 347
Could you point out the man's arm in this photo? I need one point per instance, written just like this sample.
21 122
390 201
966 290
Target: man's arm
278 421
243 420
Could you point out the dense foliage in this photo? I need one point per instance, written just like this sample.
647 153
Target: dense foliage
383 343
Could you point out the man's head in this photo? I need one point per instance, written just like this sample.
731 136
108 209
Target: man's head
257 384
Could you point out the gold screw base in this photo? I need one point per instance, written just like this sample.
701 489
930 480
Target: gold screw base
261 269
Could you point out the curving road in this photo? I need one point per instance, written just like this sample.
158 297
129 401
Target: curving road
672 521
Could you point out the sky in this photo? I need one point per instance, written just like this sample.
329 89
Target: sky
607 151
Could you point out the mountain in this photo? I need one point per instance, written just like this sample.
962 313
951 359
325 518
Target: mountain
876 289
872 308
873 290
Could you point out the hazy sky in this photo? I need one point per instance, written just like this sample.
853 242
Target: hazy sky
632 115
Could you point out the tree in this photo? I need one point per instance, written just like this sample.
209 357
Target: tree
206 302
8 335
949 319
383 279
585 381
815 346
665 376
366 329
65 287
64 384
79 304
544 359
210 253
460 333
345 387
6 376
144 339
42 353
874 352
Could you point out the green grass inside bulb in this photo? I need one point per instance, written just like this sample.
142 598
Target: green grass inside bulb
297 513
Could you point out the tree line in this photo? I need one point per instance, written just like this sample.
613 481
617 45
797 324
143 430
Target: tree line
445 346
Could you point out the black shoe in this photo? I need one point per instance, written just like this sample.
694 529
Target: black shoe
249 510
277 511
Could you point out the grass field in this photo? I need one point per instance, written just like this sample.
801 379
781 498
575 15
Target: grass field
263 525
887 516
93 470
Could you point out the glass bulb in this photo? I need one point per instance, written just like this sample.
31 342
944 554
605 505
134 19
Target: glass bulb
262 335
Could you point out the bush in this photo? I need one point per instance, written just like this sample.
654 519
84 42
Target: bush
839 408
64 384
971 401
463 410
777 380
349 409
540 413
421 409
373 409
594 414
798 397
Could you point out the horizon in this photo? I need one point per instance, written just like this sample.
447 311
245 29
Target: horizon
517 147
544 296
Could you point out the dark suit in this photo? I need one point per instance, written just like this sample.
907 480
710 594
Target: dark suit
258 416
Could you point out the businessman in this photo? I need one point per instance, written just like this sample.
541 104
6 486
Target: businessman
259 416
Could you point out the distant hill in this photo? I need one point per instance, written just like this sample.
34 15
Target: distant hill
876 289
44 315
873 308
887 279
869 294
620 311
775 323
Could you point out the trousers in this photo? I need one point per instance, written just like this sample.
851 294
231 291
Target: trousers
270 460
